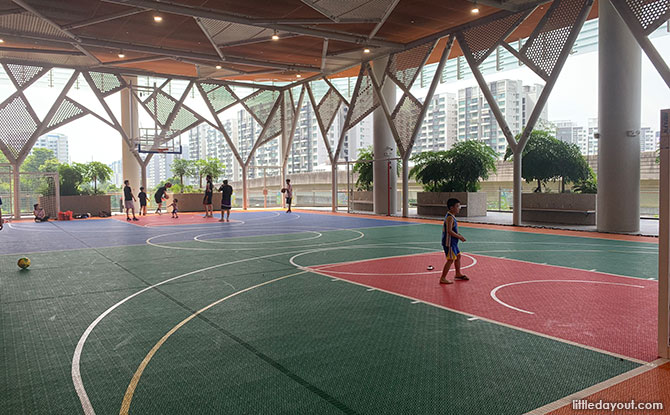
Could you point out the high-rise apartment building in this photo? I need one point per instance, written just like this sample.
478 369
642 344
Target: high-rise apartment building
584 138
58 143
439 129
476 120
117 173
648 140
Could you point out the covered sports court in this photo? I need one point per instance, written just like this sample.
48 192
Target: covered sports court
322 311
316 312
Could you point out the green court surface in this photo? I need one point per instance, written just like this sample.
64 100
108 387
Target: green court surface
305 344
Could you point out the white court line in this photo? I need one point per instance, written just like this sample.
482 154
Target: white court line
567 400
498 288
228 242
473 318
185 248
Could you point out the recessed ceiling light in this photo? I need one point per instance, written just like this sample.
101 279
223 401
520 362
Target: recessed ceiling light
475 9
218 66
275 36
2 40
366 50
298 76
122 55
158 18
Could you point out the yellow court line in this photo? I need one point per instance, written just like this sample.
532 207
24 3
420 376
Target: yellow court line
128 397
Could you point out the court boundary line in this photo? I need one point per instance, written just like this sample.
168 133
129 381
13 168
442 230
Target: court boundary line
598 387
510 228
488 320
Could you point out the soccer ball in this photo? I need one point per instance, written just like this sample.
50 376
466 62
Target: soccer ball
283 190
23 263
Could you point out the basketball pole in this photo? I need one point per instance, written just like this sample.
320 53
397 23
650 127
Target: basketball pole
664 239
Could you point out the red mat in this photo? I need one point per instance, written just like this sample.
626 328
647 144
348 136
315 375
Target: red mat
166 219
607 312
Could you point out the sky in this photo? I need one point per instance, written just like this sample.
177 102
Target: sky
575 97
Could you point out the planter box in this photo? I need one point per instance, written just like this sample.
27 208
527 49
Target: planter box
192 202
435 203
361 201
561 208
93 204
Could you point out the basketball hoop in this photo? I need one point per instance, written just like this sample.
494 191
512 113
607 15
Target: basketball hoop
162 150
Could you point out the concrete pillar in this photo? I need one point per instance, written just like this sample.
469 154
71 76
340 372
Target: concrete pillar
384 178
405 187
333 187
129 122
245 198
518 189
16 190
618 201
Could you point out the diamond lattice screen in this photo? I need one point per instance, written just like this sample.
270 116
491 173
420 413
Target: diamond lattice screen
288 112
16 125
650 14
160 105
405 117
482 39
273 127
350 9
23 74
403 67
106 83
219 96
184 120
365 100
545 45
328 107
67 111
260 104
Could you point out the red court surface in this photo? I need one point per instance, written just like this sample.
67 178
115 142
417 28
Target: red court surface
166 219
648 387
602 311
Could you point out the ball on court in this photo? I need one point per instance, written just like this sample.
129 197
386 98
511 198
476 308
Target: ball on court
430 268
23 263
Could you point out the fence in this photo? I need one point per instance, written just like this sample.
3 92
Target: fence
34 187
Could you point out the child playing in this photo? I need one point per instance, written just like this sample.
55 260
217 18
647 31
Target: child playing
288 193
450 238
143 201
173 205
40 215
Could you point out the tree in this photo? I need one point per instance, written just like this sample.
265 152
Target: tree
96 171
457 170
70 176
471 161
430 169
546 158
364 169
212 167
36 159
182 167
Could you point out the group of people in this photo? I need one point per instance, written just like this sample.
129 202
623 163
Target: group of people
161 196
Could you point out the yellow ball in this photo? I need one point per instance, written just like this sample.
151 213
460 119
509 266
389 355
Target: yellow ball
23 263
